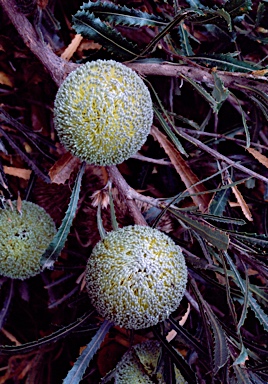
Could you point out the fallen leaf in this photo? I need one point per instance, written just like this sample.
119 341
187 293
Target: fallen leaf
183 169
18 172
258 156
62 169
240 200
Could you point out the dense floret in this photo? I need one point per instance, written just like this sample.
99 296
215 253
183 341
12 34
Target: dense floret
136 276
139 364
24 236
103 112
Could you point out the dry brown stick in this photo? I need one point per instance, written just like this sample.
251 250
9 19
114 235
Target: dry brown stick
124 190
202 75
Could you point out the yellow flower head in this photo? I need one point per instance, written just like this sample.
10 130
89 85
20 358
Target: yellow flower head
24 236
138 366
103 112
136 276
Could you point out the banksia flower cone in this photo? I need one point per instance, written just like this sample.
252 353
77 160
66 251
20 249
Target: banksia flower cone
103 112
136 276
139 364
24 236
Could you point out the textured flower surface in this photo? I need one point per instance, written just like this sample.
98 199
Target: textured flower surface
138 366
24 236
103 112
136 276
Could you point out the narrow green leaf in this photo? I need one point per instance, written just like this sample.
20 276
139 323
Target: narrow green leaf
187 338
238 7
244 120
258 311
218 204
242 357
215 236
181 15
100 226
225 62
252 239
122 15
169 132
220 353
207 96
52 338
177 359
55 247
113 215
75 375
242 375
184 39
220 93
90 27
223 13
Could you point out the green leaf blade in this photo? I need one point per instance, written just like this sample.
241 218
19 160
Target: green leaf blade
55 247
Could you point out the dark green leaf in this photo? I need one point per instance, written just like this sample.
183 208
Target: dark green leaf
184 39
177 359
52 338
207 96
55 247
258 311
225 62
220 93
215 236
218 204
220 353
238 7
121 14
93 28
75 375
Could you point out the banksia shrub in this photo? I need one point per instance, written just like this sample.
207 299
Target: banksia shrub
139 364
103 112
136 276
24 236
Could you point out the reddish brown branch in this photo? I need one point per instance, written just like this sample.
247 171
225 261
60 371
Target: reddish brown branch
57 67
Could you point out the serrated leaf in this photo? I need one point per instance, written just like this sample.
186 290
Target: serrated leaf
184 40
220 352
52 338
223 13
219 201
93 28
225 62
177 359
75 375
258 311
55 247
242 375
207 96
181 15
215 236
122 15
220 93
238 7
252 239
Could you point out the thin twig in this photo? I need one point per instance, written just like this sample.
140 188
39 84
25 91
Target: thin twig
125 191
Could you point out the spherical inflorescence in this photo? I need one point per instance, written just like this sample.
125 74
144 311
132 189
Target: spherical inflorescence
139 364
24 236
103 112
136 276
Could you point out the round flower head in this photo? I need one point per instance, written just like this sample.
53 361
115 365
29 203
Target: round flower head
24 236
139 364
103 112
136 276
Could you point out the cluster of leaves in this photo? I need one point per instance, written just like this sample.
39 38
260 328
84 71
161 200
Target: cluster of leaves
204 121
